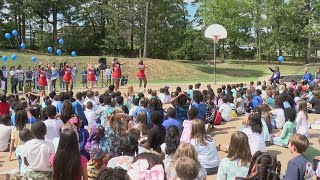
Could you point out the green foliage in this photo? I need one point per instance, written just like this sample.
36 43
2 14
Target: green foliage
194 46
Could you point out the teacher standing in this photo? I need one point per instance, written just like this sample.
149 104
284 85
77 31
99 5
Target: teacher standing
276 74
116 75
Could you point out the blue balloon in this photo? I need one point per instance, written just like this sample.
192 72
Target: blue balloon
15 33
73 54
14 57
59 52
4 58
7 35
50 49
61 41
23 46
280 59
34 59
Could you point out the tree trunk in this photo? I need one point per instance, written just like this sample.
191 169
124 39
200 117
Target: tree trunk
23 23
309 48
55 29
146 22
132 37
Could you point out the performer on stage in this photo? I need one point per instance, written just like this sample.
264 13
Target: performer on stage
42 81
141 74
116 75
91 75
67 76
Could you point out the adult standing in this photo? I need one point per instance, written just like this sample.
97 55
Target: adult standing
276 76
29 77
20 75
91 75
141 74
67 78
35 78
48 77
74 72
42 81
54 76
116 75
14 80
5 78
61 74
307 76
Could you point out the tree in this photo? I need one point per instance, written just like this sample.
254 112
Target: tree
46 9
146 23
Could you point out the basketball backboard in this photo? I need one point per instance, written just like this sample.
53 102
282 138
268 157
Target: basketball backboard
216 31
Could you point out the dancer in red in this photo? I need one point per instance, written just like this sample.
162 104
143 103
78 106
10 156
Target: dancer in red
116 75
91 75
141 74
67 78
42 81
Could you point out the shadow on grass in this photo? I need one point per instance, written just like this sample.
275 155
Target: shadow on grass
233 72
246 62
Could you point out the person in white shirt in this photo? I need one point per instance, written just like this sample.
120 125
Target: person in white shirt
20 74
53 125
225 110
90 115
253 129
25 135
205 147
278 118
301 119
5 134
38 152
90 97
74 72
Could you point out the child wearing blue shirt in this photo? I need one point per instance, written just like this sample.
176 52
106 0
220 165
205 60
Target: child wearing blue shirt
199 105
190 91
298 167
108 74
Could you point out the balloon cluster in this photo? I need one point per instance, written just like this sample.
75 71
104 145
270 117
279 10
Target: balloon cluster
8 37
59 51
24 46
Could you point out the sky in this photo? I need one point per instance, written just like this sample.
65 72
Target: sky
191 9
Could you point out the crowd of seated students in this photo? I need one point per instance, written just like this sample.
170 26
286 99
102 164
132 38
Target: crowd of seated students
126 135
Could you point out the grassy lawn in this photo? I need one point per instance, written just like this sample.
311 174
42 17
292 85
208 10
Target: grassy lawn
165 71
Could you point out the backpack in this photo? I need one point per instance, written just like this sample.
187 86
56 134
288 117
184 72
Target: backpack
217 119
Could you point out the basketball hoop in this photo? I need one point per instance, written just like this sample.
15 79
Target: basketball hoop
216 38
215 32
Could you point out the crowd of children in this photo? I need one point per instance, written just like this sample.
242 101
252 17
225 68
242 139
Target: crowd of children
126 135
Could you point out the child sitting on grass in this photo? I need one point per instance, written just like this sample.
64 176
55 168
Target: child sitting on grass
288 129
38 152
25 136
298 167
5 130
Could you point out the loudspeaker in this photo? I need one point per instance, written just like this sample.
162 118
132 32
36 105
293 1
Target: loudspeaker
102 63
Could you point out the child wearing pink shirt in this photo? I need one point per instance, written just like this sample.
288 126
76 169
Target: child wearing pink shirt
187 125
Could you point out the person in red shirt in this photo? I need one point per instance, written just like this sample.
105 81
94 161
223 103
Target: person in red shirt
4 106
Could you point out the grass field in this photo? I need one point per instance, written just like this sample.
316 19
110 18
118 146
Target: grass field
165 71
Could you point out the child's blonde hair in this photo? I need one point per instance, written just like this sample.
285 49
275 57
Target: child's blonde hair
142 123
300 142
187 168
302 106
130 91
186 150
239 148
199 132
